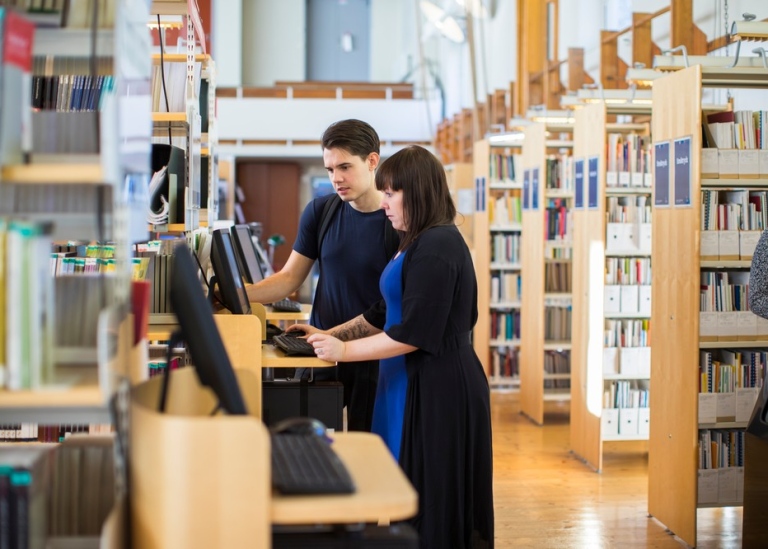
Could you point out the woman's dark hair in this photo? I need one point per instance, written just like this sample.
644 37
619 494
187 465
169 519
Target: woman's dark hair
354 136
427 201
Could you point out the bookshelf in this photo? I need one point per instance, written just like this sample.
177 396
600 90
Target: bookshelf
679 417
193 124
461 185
609 353
497 234
84 197
544 350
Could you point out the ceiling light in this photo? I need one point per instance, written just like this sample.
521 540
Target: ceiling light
550 116
642 77
507 139
447 24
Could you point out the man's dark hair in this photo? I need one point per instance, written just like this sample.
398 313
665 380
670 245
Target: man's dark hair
354 136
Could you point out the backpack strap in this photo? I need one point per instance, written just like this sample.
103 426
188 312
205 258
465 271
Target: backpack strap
329 208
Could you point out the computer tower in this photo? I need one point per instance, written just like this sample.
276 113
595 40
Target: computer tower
323 400
397 536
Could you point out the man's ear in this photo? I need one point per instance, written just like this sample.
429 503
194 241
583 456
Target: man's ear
373 160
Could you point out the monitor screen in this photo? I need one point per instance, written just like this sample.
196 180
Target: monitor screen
246 254
231 287
199 330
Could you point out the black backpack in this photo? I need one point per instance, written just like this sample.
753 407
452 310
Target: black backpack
391 236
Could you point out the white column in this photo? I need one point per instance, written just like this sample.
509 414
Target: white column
227 41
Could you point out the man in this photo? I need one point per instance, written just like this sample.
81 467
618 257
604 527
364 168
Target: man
353 252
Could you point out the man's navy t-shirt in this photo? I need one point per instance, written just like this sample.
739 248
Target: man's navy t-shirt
353 257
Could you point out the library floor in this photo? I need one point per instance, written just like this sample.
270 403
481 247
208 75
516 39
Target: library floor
546 498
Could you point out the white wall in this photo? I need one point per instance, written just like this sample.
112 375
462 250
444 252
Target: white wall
274 41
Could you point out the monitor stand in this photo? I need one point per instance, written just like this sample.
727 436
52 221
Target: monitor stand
176 338
211 287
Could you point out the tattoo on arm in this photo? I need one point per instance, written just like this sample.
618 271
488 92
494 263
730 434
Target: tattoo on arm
354 329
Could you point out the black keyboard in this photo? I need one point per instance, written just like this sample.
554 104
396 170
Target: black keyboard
287 306
293 346
306 464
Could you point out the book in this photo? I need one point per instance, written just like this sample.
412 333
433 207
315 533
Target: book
16 39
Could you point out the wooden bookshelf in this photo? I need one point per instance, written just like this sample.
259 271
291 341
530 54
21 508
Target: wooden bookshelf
589 419
673 490
533 159
462 187
51 174
77 387
537 150
487 189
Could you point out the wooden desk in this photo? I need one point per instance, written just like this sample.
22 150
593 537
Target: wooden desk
279 316
201 481
271 357
383 494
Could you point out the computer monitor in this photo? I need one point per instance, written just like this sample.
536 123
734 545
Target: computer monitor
199 330
247 259
227 274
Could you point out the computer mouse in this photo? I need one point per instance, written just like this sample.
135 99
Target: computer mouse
295 333
299 426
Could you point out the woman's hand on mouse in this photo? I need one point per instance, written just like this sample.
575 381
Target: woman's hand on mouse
328 347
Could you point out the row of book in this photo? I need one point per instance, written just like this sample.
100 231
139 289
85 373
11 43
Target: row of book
732 210
506 209
55 490
557 221
628 155
505 362
560 173
557 323
626 394
505 287
32 432
557 277
736 130
556 252
726 370
720 448
627 333
71 92
502 168
724 291
505 325
557 362
505 248
628 270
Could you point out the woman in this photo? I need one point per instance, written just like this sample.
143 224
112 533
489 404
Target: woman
432 405
758 279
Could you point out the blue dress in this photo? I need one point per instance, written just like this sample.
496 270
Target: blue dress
389 406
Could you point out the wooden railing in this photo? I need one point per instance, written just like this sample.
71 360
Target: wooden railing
324 90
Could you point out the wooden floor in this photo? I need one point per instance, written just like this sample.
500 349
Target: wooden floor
545 497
